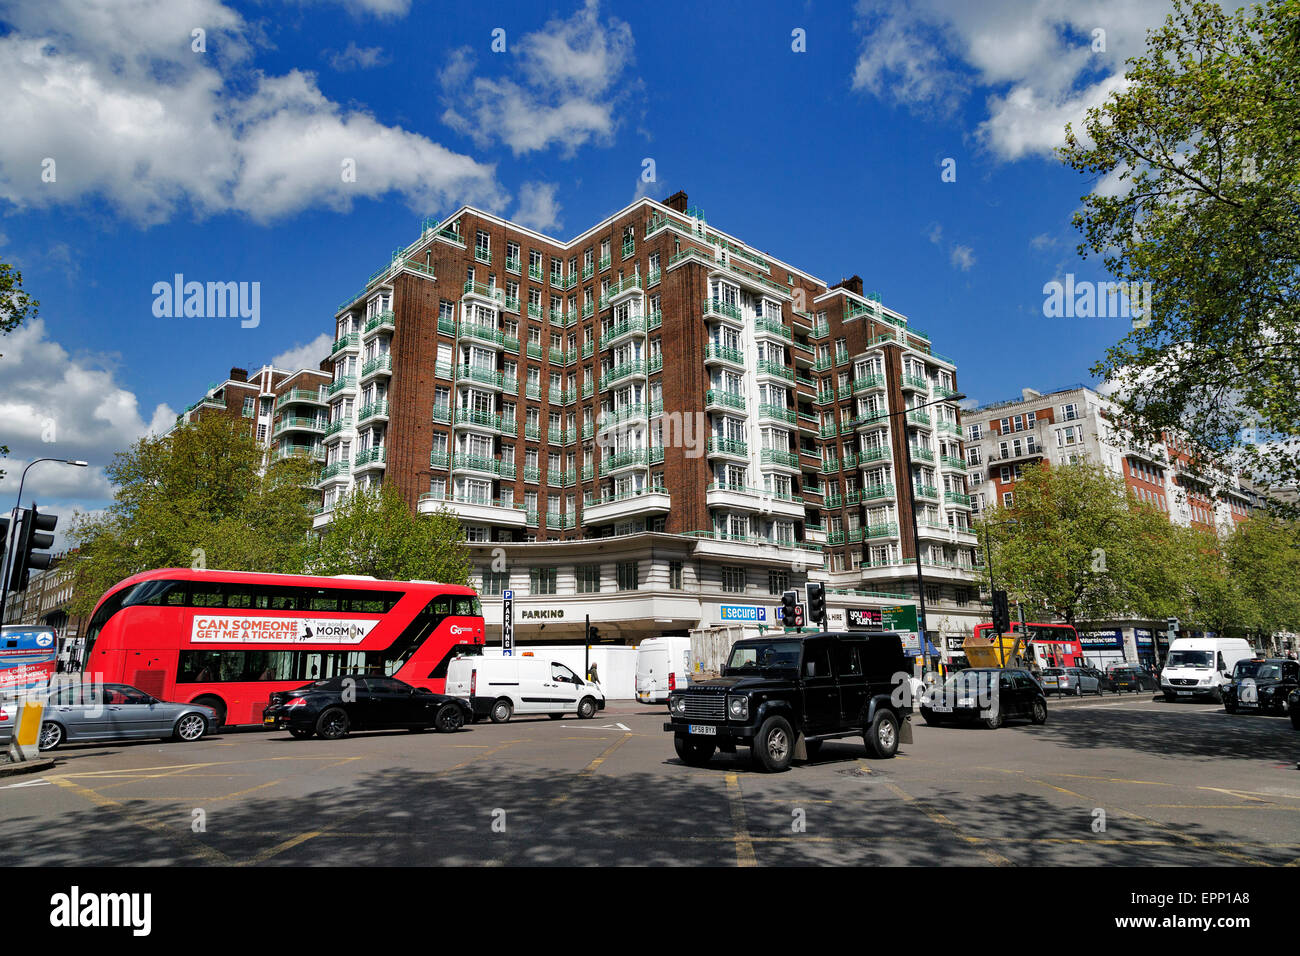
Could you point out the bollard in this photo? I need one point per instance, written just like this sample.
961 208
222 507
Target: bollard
25 745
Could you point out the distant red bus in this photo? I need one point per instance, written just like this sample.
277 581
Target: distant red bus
1052 645
229 639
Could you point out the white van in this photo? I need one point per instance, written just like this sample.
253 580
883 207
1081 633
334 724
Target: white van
663 664
500 687
1201 666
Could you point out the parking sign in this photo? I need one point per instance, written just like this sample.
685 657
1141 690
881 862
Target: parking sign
507 623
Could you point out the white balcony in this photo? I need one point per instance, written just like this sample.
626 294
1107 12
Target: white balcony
627 506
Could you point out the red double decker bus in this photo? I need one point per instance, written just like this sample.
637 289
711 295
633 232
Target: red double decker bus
229 639
1048 645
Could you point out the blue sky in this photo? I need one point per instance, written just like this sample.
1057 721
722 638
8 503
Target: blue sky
224 165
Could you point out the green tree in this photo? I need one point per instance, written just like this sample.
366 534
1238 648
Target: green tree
1073 543
1201 143
195 497
1263 556
373 531
16 307
1214 599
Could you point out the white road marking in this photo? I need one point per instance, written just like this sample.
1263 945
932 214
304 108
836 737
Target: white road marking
39 782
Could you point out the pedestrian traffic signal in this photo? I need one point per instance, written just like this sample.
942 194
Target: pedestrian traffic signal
817 603
789 602
1001 613
35 535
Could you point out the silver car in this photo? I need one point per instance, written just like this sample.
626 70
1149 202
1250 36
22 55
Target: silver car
78 712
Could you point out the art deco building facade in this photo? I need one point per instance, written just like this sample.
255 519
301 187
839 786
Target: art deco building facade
653 375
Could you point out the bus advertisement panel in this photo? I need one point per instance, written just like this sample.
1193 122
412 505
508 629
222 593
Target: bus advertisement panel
28 656
229 639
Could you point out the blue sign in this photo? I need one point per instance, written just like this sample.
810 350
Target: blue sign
1142 636
1097 640
751 613
507 623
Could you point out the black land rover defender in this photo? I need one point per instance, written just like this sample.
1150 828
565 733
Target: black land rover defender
783 695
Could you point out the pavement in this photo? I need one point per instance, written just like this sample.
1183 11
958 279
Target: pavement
1106 781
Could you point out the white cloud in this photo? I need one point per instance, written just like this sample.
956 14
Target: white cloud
307 355
1036 62
962 257
936 234
570 83
538 208
383 9
127 111
356 57
57 405
1042 241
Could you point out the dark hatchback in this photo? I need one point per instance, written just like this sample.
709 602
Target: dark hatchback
334 707
1132 678
989 694
1261 686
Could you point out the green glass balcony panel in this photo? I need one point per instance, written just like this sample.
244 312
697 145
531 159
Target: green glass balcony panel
718 307
776 456
442 413
350 341
873 492
723 353
728 446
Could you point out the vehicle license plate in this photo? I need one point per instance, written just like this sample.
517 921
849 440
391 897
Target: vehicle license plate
268 720
1249 703
1184 693
702 729
941 709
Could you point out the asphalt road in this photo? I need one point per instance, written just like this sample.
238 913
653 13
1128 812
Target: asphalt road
1178 784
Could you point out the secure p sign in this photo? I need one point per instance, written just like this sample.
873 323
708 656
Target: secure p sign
507 623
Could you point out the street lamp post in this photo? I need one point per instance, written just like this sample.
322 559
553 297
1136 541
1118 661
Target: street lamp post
916 534
13 529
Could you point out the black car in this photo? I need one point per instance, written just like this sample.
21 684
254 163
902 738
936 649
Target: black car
333 707
989 694
1261 685
1293 707
1136 679
782 696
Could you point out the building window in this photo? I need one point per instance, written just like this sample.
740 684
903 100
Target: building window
494 582
675 575
933 593
778 582
588 578
248 407
627 575
733 579
542 581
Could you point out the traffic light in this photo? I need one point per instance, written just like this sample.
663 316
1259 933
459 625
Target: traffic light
35 534
1001 613
789 603
817 603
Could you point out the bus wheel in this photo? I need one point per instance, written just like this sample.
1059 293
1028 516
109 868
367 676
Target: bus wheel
333 724
217 704
502 711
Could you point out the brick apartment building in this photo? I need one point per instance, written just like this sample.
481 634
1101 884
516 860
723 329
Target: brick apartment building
653 405
287 409
1077 424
